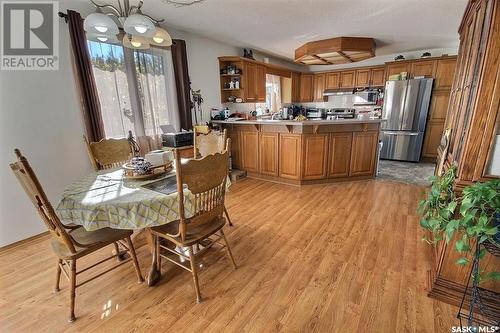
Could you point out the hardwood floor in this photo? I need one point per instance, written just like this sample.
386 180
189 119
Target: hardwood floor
345 257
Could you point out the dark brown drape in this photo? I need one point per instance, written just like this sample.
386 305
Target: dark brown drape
89 99
179 58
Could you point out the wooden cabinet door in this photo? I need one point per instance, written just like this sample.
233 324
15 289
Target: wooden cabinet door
295 87
290 156
423 68
315 148
377 77
268 157
251 79
319 87
260 82
306 88
339 155
362 78
347 79
250 151
433 134
363 153
332 80
445 70
395 68
435 124
235 149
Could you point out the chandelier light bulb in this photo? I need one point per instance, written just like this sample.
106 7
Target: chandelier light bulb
136 44
101 28
141 29
102 39
158 40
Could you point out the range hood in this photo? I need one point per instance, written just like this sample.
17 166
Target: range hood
333 51
336 92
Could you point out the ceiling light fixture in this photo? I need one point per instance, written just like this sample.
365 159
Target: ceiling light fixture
141 29
182 3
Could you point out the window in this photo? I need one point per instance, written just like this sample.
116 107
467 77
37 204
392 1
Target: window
273 93
136 89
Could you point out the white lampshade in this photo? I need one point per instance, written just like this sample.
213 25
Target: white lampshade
139 25
99 23
136 43
161 37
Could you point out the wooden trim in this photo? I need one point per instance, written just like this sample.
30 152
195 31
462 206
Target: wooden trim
21 242
294 182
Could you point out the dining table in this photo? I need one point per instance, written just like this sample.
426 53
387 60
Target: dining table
109 199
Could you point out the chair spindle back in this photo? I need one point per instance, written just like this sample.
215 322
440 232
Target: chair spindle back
34 191
109 153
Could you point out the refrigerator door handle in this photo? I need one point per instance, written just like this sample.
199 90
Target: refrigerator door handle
402 133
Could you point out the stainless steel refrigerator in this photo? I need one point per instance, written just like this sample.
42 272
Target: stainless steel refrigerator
406 104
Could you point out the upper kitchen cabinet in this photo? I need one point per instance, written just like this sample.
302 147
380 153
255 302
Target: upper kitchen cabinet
425 68
332 80
319 87
396 68
306 88
363 77
347 79
242 78
445 69
377 76
295 87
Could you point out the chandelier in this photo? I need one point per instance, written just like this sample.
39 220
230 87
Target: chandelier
140 30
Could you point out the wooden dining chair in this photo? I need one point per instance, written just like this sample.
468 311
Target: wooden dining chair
108 153
207 142
71 242
203 222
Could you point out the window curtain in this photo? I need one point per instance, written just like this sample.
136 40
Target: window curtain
179 58
273 92
89 99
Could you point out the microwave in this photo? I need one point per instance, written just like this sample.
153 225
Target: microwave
369 97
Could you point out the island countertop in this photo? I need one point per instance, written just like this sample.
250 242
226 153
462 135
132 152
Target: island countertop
304 152
301 122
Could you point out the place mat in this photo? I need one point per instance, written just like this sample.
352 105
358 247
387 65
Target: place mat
164 186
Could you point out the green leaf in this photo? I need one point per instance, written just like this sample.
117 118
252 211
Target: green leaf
482 253
424 224
462 261
492 231
462 246
482 239
493 276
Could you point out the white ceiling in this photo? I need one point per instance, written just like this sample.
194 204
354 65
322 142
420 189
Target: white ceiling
278 27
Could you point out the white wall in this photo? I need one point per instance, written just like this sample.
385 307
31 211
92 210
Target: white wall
40 115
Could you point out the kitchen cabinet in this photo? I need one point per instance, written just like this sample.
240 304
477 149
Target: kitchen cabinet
315 149
396 68
363 152
445 69
347 79
268 154
340 155
250 151
432 139
319 87
286 90
235 149
332 80
260 83
423 68
378 76
363 77
306 88
290 156
435 122
255 89
295 87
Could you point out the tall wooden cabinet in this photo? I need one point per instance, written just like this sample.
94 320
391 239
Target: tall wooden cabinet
306 88
473 113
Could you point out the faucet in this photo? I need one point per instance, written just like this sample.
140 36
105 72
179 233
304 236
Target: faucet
275 114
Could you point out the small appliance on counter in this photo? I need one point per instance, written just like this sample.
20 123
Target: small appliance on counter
315 113
175 139
341 113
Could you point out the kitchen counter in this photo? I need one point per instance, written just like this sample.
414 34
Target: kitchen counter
304 152
298 122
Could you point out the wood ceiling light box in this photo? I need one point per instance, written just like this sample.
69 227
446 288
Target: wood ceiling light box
334 51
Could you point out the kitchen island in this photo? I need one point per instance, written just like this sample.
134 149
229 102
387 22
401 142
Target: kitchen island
304 152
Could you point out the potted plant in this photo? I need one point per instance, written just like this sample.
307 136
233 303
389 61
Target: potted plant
474 217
